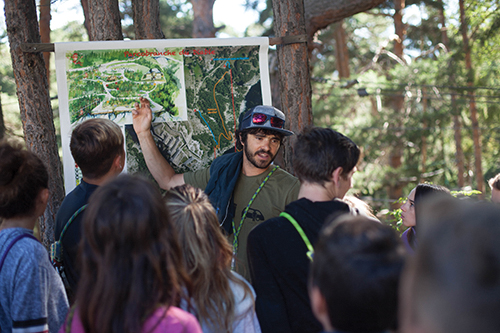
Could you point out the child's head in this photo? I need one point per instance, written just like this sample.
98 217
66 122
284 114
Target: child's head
355 275
95 145
23 177
130 256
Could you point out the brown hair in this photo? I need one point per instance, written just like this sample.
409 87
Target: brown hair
424 191
22 176
319 151
95 143
207 256
130 257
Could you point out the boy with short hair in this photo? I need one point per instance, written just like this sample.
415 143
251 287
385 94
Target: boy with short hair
355 276
97 148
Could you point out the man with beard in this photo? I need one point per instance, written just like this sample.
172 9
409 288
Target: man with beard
245 188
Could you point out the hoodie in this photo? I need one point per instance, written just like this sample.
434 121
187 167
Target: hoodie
279 266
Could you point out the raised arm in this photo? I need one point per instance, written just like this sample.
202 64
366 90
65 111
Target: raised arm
157 165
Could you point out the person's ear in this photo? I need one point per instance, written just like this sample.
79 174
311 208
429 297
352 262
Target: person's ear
118 162
42 200
241 139
320 308
337 173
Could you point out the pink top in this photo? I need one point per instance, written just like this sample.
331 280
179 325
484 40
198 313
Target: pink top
174 320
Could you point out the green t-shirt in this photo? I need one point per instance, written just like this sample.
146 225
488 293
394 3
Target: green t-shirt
280 189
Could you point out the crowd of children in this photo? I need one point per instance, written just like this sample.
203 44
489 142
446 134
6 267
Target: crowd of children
137 261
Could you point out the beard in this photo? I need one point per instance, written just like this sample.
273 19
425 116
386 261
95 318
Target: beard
258 163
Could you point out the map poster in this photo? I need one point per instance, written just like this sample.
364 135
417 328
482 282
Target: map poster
197 89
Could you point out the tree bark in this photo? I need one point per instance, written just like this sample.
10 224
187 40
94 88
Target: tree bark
45 32
396 155
34 103
321 13
104 20
424 136
476 135
341 52
203 18
86 14
293 64
146 14
2 123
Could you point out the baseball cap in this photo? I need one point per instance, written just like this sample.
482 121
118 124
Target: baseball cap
266 117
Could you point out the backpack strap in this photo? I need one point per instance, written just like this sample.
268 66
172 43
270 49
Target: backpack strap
71 219
302 234
18 237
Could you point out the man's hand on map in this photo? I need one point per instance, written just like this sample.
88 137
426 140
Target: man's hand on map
142 116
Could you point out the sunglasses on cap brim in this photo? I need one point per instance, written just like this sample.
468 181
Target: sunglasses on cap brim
262 118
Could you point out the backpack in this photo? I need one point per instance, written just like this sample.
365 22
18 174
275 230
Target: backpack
56 249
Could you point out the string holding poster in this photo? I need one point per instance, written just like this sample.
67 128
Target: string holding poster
197 89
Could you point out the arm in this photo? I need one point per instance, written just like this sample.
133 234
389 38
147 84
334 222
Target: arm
157 165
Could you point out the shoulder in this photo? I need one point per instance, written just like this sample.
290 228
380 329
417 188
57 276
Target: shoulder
264 234
23 247
283 175
172 319
245 302
26 256
286 184
72 202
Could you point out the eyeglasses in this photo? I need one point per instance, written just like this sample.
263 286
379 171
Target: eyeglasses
261 118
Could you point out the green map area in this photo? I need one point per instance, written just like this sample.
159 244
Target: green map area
221 82
107 83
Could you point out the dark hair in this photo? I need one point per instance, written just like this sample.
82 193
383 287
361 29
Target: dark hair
244 134
207 256
495 182
22 176
422 192
319 151
95 143
453 283
130 257
356 267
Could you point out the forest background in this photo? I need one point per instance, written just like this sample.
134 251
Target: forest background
413 83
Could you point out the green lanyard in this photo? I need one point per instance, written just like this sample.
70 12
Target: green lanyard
302 234
236 233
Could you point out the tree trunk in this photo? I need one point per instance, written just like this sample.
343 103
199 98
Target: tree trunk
2 123
146 14
293 64
34 103
203 18
341 52
86 14
104 20
476 136
457 124
399 6
396 155
45 32
459 155
424 136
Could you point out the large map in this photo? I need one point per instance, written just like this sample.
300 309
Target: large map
197 89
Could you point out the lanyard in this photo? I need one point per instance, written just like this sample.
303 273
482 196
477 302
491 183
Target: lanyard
310 252
236 233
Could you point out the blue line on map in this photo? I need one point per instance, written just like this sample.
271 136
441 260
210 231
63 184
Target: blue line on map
199 112
228 64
